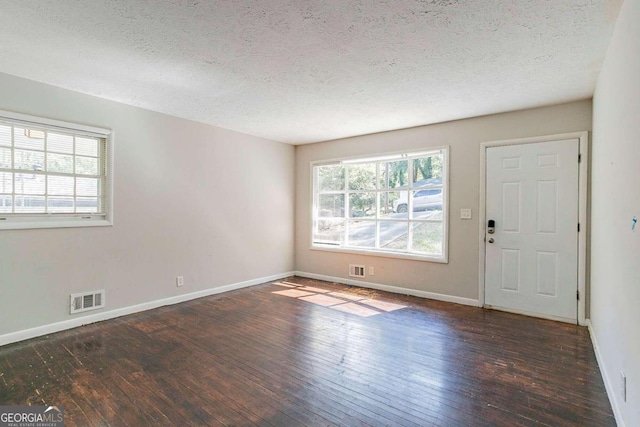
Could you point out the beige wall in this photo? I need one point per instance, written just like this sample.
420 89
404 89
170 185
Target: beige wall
459 277
212 205
615 248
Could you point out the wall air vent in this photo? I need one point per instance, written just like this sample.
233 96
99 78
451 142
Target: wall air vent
86 301
356 270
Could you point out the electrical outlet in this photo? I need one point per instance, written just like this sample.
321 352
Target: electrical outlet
179 281
372 271
623 386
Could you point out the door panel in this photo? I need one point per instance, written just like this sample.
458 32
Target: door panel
532 195
511 207
547 273
547 207
510 270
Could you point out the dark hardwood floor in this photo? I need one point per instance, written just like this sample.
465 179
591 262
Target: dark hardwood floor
306 356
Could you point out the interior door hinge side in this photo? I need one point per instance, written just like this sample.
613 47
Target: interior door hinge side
579 158
578 295
578 227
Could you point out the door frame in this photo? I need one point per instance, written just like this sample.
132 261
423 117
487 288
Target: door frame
583 170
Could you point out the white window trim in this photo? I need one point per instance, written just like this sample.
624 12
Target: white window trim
72 220
444 259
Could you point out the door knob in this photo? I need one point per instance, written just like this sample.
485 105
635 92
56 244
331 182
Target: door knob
491 240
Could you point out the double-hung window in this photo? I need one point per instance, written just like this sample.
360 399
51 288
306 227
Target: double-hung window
53 173
393 205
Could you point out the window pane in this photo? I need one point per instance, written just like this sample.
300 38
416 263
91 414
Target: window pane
385 203
29 183
22 140
59 163
433 214
427 171
29 204
5 158
427 238
393 204
5 135
362 176
60 185
86 147
393 235
87 186
87 204
6 204
60 143
427 199
394 174
362 234
329 231
29 160
86 166
362 205
331 205
6 182
60 204
330 178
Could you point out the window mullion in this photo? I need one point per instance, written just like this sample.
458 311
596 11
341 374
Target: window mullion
46 177
346 206
13 166
315 203
410 206
378 206
75 181
55 173
410 187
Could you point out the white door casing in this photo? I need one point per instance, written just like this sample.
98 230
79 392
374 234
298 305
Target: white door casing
532 194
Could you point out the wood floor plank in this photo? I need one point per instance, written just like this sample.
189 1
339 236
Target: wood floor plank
254 358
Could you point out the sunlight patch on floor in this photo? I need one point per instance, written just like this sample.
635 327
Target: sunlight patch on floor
312 289
356 309
349 297
341 301
381 305
323 300
289 283
293 293
285 285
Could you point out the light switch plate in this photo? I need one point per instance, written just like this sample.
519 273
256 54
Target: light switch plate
465 213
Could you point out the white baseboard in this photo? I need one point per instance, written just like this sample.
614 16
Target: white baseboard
111 314
393 289
611 390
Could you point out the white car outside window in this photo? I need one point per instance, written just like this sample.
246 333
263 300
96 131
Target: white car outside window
422 200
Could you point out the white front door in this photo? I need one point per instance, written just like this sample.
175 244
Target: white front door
531 263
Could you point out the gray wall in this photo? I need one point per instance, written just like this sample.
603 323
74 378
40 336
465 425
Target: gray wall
212 205
615 248
459 277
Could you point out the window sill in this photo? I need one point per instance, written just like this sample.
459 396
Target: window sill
396 255
72 223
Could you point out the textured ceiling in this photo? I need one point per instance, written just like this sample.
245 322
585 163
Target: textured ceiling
306 71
